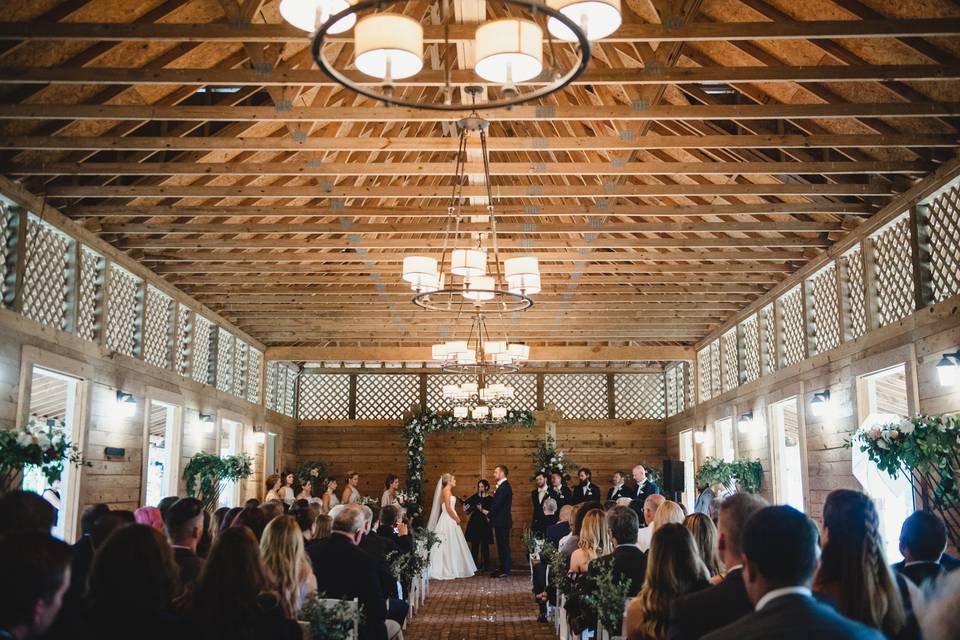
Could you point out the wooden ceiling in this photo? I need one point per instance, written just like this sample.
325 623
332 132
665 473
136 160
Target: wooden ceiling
711 149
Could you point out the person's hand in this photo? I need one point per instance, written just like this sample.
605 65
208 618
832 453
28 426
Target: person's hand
403 529
458 519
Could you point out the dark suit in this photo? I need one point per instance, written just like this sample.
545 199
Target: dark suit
501 519
643 491
190 565
919 572
345 571
628 562
404 544
563 495
585 493
696 614
795 617
614 493
538 517
556 532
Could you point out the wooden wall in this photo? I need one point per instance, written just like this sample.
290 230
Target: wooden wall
120 482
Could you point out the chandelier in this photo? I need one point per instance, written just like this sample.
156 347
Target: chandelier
534 49
470 274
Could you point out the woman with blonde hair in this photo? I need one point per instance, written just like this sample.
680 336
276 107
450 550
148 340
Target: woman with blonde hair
594 541
674 569
289 571
668 512
704 533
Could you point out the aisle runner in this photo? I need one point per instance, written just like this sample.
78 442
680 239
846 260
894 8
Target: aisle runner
479 608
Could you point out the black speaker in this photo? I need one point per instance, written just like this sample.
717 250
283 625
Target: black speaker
673 484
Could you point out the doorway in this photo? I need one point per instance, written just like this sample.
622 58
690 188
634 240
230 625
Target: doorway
686 455
230 444
163 451
786 440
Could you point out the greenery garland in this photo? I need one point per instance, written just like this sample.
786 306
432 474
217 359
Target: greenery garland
744 475
606 599
206 473
415 431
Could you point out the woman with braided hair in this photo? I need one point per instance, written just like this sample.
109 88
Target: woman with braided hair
853 574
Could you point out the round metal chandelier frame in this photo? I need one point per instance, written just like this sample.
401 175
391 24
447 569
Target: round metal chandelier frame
386 95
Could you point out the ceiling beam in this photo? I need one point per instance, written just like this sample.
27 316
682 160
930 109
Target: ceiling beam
755 270
423 354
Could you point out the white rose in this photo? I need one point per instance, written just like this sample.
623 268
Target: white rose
882 444
24 439
885 434
907 426
43 442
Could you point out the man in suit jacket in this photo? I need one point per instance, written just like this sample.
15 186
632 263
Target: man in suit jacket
392 529
380 548
556 532
586 491
559 490
780 551
627 559
696 614
500 515
923 539
537 496
184 527
344 571
644 487
619 489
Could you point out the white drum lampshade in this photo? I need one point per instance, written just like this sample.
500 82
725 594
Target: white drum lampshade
508 50
499 413
494 348
388 46
480 289
481 412
460 412
308 15
597 18
519 351
468 263
440 352
421 273
522 266
451 391
524 285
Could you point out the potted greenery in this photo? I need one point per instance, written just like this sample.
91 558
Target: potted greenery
35 444
206 474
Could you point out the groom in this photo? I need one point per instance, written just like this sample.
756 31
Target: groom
501 518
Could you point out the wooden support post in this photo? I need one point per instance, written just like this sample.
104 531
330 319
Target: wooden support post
611 400
871 308
353 396
423 391
540 403
842 333
920 256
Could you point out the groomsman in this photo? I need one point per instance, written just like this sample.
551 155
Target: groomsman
586 491
645 487
618 490
537 496
559 490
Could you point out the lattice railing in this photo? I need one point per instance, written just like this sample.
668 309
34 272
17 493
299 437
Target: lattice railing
639 396
240 355
581 396
202 335
157 324
750 339
704 388
386 396
46 277
893 271
91 294
855 303
224 359
324 396
731 360
944 223
124 303
254 375
792 332
824 309
184 340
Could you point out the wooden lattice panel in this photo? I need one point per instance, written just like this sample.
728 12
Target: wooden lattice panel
524 390
46 277
685 380
639 396
241 353
851 267
750 336
792 334
184 340
578 396
715 382
825 309
944 221
673 389
290 392
768 339
224 360
704 389
124 306
386 396
731 360
270 390
324 396
202 335
254 375
435 399
157 323
91 294
894 272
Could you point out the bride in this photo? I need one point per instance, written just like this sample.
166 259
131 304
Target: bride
452 559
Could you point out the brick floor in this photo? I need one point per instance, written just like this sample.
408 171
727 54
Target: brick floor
479 608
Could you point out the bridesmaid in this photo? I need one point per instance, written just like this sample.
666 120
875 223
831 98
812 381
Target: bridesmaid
479 533
306 493
389 497
350 492
330 499
287 492
273 488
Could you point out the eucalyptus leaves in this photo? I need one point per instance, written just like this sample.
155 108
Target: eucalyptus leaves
743 475
548 459
206 473
330 620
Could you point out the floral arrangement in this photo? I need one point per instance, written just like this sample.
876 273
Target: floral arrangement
312 471
534 543
415 431
426 540
35 445
206 473
926 450
406 498
331 621
367 501
606 599
740 475
548 459
406 566
653 473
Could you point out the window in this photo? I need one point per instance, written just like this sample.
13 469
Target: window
270 457
725 445
786 438
230 445
686 454
883 399
163 451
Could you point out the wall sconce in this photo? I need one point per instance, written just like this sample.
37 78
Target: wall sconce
205 422
259 435
745 423
948 369
700 436
126 404
820 404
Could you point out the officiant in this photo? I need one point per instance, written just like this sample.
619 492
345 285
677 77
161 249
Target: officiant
479 533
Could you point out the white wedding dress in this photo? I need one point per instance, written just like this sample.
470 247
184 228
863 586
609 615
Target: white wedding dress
451 559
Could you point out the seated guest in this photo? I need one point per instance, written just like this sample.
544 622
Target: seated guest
323 528
550 516
106 525
83 549
699 613
132 585
644 486
571 543
667 513
306 517
272 510
593 542
619 489
393 529
217 523
853 573
627 559
252 503
780 554
380 548
289 571
36 574
939 619
650 506
586 491
26 511
674 569
923 539
166 503
206 536
232 598
149 516
705 535
559 490
557 531
254 519
229 517
537 496
346 572
184 526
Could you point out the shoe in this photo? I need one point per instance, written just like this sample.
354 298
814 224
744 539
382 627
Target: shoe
542 618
